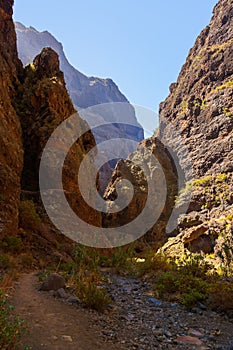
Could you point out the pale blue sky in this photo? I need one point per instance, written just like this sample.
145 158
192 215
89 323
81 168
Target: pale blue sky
141 45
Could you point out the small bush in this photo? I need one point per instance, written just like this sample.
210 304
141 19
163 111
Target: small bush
182 287
92 295
28 217
12 244
11 327
92 259
194 265
27 260
5 261
221 296
155 263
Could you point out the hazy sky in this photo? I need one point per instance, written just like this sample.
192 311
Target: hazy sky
141 45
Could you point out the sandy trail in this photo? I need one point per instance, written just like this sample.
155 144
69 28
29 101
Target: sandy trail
54 324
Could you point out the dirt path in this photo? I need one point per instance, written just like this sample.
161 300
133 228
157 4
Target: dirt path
52 323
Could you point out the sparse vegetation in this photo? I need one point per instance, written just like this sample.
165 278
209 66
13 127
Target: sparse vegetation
91 294
226 85
11 327
227 112
5 261
28 217
187 280
84 273
11 244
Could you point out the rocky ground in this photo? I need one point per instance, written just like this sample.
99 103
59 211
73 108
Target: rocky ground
134 320
139 321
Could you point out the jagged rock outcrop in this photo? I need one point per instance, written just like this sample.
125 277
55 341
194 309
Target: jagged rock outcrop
136 175
84 92
199 112
43 104
11 154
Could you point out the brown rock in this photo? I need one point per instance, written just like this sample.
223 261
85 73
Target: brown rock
43 103
53 282
193 233
188 340
127 169
200 107
11 150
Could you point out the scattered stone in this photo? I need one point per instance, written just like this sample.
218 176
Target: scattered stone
60 293
186 339
73 300
155 301
67 338
195 333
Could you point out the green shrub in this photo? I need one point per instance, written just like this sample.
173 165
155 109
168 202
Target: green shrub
194 265
27 260
221 296
12 244
181 286
155 263
92 295
28 217
92 259
5 261
11 327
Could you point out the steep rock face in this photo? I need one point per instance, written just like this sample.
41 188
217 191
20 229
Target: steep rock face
200 108
43 104
136 175
11 156
200 104
199 112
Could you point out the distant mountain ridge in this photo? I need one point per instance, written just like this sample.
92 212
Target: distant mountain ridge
84 91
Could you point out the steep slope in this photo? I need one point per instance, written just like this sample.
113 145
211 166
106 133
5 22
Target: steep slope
200 108
34 101
11 155
200 103
196 123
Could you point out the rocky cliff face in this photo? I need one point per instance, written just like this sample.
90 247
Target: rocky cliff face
34 101
200 104
11 155
199 112
200 108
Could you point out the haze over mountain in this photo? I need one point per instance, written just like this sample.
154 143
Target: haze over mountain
84 91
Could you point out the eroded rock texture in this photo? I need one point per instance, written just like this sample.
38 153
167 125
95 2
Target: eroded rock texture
34 102
11 155
196 122
200 107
